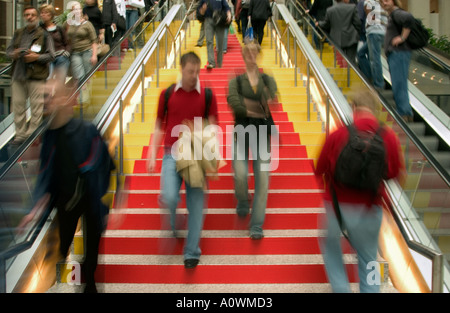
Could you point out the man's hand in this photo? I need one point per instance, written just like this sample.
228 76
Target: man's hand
228 16
36 212
30 56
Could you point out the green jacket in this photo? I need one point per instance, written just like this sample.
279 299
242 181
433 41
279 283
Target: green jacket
266 89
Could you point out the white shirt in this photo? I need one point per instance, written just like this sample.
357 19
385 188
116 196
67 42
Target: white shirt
377 19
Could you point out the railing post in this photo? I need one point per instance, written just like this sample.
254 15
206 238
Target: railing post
121 137
143 92
438 273
327 127
2 275
295 63
308 90
157 64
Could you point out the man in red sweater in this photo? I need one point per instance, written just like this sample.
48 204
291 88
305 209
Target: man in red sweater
186 102
361 212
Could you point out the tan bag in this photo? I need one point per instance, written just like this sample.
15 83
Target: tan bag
102 49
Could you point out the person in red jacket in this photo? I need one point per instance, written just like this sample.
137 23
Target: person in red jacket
360 210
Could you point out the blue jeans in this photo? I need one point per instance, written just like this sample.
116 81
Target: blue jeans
399 68
81 63
363 227
195 201
59 68
131 17
261 178
363 60
374 44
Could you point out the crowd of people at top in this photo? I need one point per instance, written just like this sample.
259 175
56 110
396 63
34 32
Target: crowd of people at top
73 46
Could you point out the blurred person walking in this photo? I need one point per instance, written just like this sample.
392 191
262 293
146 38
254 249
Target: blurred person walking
241 14
376 23
186 102
343 24
318 11
259 12
75 172
31 51
398 54
95 16
60 66
110 21
83 41
360 210
207 8
249 96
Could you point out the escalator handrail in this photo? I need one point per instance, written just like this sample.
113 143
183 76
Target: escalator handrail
412 136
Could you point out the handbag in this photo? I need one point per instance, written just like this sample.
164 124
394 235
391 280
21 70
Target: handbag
220 18
249 33
140 4
102 49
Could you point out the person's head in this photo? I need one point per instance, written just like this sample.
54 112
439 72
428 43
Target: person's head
59 103
190 69
91 3
365 100
31 16
388 5
250 54
47 13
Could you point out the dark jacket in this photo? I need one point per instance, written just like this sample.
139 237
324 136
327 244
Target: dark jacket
91 155
343 24
260 10
110 15
213 5
39 69
267 88
397 20
319 8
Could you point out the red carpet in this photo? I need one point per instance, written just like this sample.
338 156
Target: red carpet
292 186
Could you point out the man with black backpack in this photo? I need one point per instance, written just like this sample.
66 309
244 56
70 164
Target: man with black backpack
402 28
179 105
354 161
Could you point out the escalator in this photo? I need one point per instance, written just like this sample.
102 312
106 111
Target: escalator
425 141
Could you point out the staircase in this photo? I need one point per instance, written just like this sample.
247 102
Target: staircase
137 255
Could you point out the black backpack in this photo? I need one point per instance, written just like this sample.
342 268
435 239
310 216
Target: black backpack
208 97
361 164
419 35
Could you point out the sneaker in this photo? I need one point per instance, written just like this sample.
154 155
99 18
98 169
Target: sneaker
224 51
256 236
197 45
210 66
190 263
